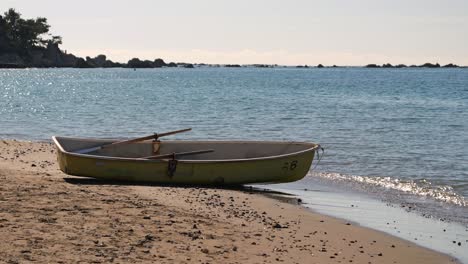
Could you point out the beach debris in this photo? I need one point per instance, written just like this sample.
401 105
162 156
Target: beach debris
278 225
145 240
194 235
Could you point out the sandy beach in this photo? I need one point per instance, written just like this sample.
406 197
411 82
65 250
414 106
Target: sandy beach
48 216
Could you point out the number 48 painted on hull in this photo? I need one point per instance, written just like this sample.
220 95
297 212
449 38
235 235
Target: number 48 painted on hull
290 165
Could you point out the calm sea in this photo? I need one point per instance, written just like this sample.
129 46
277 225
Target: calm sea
400 135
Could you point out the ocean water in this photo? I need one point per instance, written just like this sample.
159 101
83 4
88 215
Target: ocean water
399 135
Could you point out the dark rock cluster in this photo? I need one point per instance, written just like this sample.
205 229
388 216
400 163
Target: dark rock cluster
425 65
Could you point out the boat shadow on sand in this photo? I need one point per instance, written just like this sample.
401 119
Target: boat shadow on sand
280 196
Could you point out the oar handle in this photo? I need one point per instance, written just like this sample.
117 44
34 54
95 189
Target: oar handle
172 132
176 154
130 141
154 136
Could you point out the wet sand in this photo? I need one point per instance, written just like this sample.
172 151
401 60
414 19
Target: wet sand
47 216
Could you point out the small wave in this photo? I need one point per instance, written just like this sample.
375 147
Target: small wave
415 187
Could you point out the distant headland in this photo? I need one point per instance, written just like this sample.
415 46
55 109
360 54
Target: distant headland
26 43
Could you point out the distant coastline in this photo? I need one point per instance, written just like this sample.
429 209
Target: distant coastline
101 61
27 43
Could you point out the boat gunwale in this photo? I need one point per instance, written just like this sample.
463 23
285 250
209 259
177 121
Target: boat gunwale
315 147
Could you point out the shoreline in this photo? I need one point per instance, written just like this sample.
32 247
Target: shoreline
46 216
184 65
445 236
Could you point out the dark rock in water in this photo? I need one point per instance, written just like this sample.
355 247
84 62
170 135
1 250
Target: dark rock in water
334 66
69 60
372 66
101 61
451 65
181 64
111 64
137 63
81 63
91 62
232 66
320 66
400 66
430 65
300 66
158 63
261 66
98 61
387 65
134 63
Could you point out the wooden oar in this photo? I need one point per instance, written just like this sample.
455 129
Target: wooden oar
176 154
154 136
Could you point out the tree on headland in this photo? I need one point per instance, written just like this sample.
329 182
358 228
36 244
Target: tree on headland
28 43
24 35
4 43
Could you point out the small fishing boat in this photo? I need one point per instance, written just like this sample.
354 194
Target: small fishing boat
185 162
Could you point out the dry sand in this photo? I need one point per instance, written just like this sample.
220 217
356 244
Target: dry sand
47 216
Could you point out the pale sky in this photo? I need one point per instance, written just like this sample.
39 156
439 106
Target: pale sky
341 32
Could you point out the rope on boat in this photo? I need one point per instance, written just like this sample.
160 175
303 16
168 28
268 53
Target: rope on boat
319 156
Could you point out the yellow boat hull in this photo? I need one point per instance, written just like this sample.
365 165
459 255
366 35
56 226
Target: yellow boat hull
231 171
